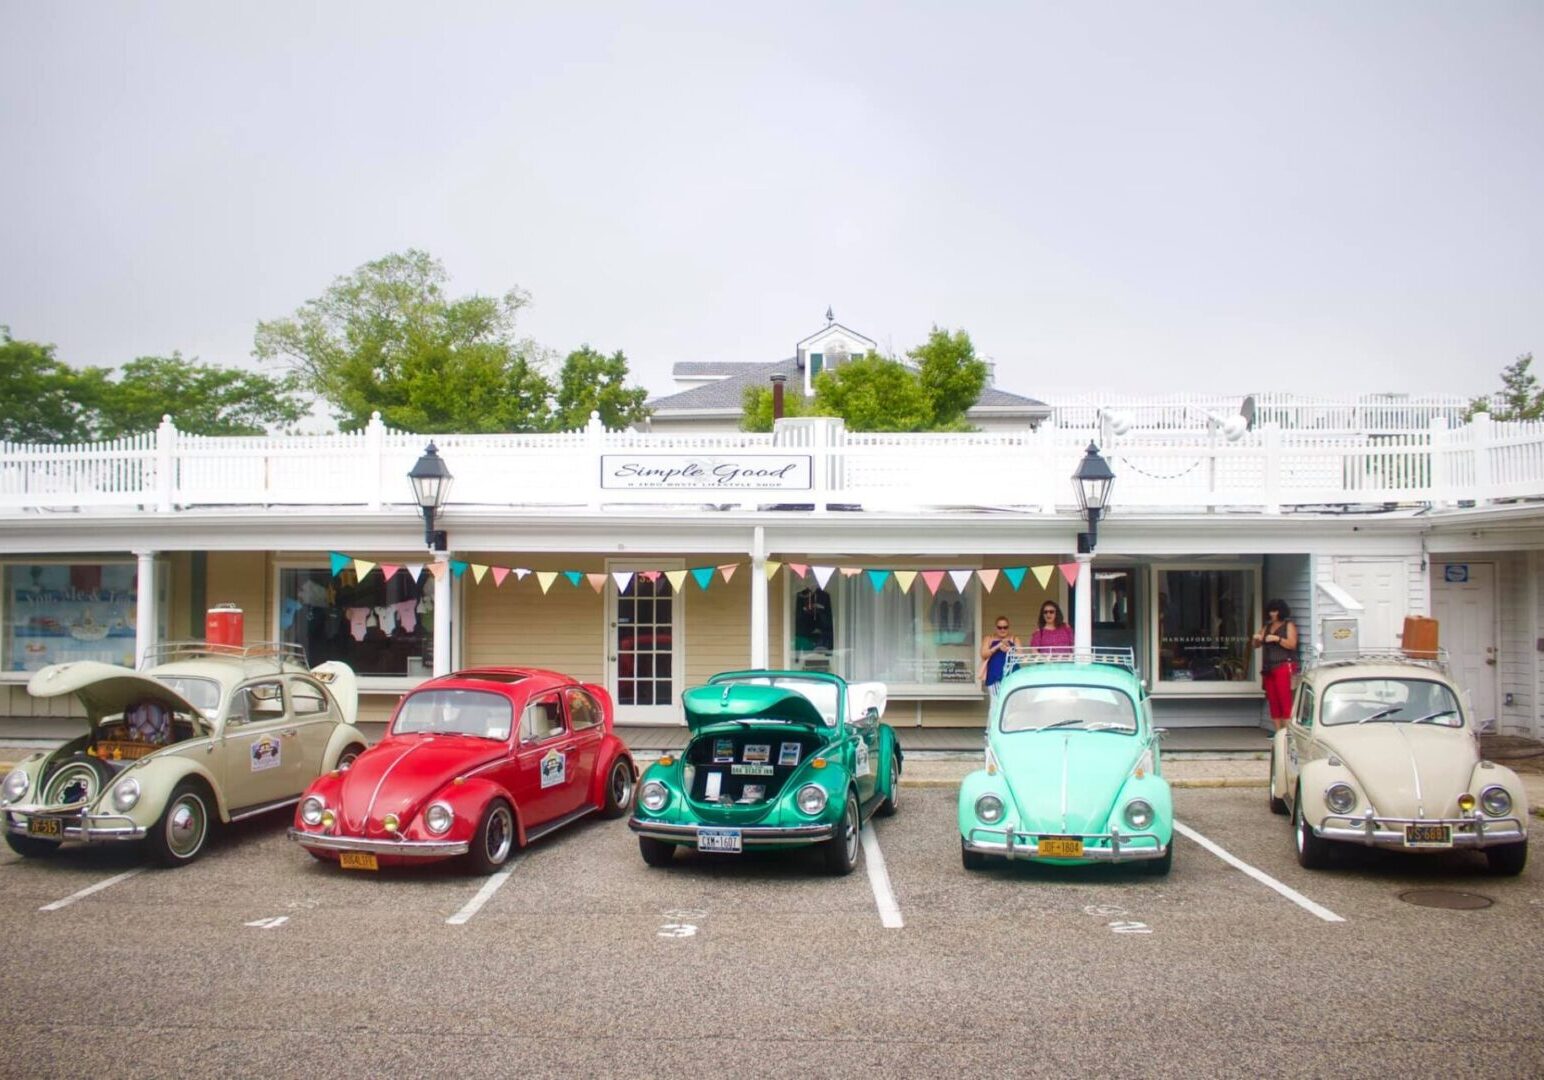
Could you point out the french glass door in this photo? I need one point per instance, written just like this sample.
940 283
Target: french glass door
643 655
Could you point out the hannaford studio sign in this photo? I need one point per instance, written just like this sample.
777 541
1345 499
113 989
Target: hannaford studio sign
754 472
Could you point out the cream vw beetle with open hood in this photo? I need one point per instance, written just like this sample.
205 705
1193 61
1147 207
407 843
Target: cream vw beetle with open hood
209 733
1382 752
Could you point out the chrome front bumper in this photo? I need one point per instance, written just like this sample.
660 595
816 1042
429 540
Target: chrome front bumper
87 828
409 849
1016 844
1478 831
750 836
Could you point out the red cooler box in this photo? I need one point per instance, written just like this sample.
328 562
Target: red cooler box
223 625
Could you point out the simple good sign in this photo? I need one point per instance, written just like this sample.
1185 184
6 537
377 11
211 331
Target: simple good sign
748 472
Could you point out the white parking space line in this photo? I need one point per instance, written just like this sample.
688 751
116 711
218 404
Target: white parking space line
484 894
879 880
89 889
1259 875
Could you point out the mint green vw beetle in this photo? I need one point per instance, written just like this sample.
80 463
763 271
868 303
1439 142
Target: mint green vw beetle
1072 769
777 759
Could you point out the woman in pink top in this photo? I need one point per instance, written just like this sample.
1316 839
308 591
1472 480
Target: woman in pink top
1052 631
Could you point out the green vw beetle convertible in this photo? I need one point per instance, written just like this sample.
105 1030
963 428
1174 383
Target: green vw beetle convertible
776 759
1072 769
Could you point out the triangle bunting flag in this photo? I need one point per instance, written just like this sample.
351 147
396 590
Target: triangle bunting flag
822 574
362 569
340 562
904 578
1069 571
1043 574
932 579
961 578
415 570
545 578
877 579
1015 575
574 577
478 572
499 574
771 568
728 570
988 578
623 578
389 570
677 578
703 575
597 581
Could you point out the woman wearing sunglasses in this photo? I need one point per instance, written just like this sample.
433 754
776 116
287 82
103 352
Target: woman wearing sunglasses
994 655
1053 631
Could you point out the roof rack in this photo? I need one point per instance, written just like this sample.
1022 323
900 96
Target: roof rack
1436 659
1026 655
279 652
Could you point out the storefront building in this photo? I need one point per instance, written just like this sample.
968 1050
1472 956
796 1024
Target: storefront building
647 562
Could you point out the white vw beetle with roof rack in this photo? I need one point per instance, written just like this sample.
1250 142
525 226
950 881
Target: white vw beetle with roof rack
1381 751
203 733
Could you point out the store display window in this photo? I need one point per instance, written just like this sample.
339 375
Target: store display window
375 625
906 639
59 612
1204 620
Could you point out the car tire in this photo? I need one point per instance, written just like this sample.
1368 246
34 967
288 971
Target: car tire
1313 852
494 838
350 754
1161 867
1507 859
656 852
77 778
1278 805
31 847
972 860
840 853
621 782
892 801
181 833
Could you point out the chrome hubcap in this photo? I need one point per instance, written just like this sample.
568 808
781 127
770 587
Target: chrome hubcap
500 835
185 826
850 827
621 786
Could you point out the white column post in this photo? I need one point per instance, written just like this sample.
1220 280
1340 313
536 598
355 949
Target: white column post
1270 439
144 608
375 450
165 463
1441 479
442 615
1083 612
759 629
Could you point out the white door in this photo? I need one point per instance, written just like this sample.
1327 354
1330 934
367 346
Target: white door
643 670
1463 601
1382 587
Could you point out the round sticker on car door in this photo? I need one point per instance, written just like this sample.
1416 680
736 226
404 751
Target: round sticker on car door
554 768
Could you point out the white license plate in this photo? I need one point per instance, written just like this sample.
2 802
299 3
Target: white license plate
719 840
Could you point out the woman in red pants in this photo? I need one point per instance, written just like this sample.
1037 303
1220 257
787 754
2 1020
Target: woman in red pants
1277 641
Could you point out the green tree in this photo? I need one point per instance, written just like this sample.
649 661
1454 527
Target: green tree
201 399
43 399
592 382
1521 397
756 406
387 337
874 394
950 376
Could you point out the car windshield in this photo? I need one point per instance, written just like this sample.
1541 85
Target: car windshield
1390 701
455 712
821 694
1069 708
203 693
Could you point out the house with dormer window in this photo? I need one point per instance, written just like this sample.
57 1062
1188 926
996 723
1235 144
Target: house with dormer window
710 395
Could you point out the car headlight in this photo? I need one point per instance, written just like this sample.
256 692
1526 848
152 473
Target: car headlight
1496 801
654 795
1139 813
989 808
311 809
15 785
812 798
1340 798
438 818
125 794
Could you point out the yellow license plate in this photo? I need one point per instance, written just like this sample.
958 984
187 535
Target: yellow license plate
1060 847
45 826
358 860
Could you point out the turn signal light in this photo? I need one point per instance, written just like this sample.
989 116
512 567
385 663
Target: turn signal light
390 823
327 819
667 761
818 763
1466 802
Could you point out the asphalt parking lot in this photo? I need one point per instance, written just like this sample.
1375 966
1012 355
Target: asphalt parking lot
579 959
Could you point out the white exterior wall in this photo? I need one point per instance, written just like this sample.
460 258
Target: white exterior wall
1518 614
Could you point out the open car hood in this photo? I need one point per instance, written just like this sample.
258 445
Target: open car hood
707 706
106 689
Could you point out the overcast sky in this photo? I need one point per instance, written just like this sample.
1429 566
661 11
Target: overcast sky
1146 197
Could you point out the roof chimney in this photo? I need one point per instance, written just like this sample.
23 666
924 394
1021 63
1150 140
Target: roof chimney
777 396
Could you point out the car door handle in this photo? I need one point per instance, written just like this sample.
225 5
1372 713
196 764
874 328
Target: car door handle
288 733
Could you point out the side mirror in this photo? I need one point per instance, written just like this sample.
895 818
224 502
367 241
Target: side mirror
1160 733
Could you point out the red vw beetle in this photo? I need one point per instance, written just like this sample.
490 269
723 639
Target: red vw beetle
474 763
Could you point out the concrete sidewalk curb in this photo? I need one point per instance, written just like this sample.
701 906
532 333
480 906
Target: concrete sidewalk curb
1192 782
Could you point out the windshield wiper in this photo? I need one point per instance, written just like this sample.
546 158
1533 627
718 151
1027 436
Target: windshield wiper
1380 714
1060 723
1429 717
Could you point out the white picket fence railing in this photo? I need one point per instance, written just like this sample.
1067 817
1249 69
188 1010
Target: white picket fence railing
1269 468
